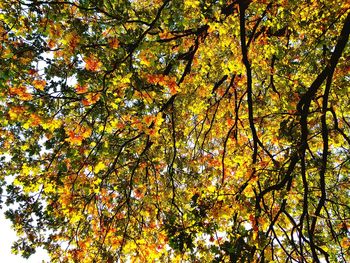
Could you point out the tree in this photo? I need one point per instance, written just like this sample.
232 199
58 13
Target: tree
177 131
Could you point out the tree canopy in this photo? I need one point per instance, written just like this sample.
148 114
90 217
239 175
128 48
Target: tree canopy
177 130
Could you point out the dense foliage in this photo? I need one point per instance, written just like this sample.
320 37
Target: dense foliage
177 130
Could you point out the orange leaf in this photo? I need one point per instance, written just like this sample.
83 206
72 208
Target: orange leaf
90 99
21 92
148 119
113 43
35 119
72 41
81 89
92 63
39 84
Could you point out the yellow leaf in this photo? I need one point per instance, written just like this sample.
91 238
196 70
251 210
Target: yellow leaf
98 167
211 189
249 191
24 147
26 170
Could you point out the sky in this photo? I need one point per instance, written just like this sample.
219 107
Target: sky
7 237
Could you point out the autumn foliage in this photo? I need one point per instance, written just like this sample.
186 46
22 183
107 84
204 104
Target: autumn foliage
176 130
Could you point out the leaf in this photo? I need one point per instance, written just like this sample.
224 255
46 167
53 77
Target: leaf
81 89
39 84
98 167
92 63
90 99
113 42
176 131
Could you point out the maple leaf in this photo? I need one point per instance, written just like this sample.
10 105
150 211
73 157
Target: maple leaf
172 87
51 43
74 138
113 42
90 99
15 112
98 167
39 84
33 120
154 79
149 119
21 92
196 132
71 40
80 89
92 63
32 72
77 134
